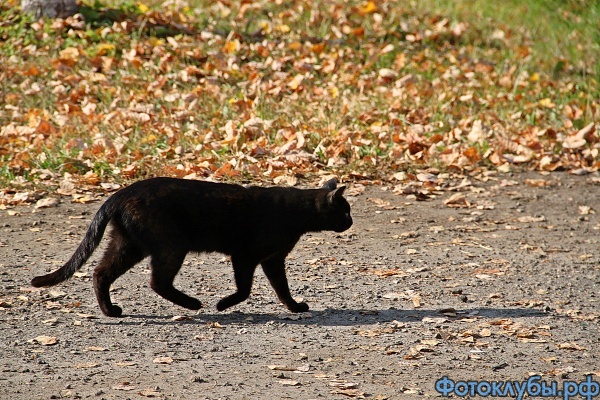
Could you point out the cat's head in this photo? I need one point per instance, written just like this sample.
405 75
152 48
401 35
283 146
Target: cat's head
336 207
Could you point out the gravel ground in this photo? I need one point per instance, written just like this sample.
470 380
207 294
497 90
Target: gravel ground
491 279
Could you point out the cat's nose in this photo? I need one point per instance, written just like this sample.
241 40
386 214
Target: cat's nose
346 225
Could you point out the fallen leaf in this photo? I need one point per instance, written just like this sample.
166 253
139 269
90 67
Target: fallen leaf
388 272
182 318
585 210
280 367
46 340
449 312
289 382
87 365
416 301
485 332
570 346
149 393
547 102
125 364
47 202
87 316
434 320
125 386
163 360
528 219
343 384
303 368
95 348
285 180
394 296
457 200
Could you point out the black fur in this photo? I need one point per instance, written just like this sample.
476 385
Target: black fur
165 218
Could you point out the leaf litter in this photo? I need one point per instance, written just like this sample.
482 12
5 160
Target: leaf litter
184 99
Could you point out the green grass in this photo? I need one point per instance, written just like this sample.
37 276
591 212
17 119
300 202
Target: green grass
563 34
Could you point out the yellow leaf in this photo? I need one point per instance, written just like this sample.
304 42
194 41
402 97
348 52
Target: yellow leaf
149 139
535 77
231 46
156 41
547 103
143 8
295 82
105 48
70 53
295 45
283 28
367 8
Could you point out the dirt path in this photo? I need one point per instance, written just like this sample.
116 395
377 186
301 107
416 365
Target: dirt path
502 289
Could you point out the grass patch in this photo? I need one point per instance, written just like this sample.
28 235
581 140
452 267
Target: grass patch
260 89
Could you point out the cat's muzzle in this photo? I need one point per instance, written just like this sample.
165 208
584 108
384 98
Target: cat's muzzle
345 225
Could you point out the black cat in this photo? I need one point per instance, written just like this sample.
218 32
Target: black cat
165 218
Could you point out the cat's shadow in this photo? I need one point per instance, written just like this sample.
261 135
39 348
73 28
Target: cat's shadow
328 317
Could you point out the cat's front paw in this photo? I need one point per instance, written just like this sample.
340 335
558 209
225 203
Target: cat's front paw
193 304
113 311
223 304
299 307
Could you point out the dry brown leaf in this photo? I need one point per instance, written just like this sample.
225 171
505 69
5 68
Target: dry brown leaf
285 180
181 318
149 393
449 312
571 346
125 386
280 367
529 219
485 332
387 272
343 384
46 340
46 202
416 301
87 365
95 348
457 200
394 296
289 382
303 368
87 316
163 360
126 364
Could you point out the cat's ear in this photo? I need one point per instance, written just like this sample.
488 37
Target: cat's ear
335 194
330 184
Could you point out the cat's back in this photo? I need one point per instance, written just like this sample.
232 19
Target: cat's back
165 189
179 200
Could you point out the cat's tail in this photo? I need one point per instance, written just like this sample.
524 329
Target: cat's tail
85 249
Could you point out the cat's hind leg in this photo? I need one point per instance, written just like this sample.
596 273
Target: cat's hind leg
244 274
164 268
274 269
119 257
